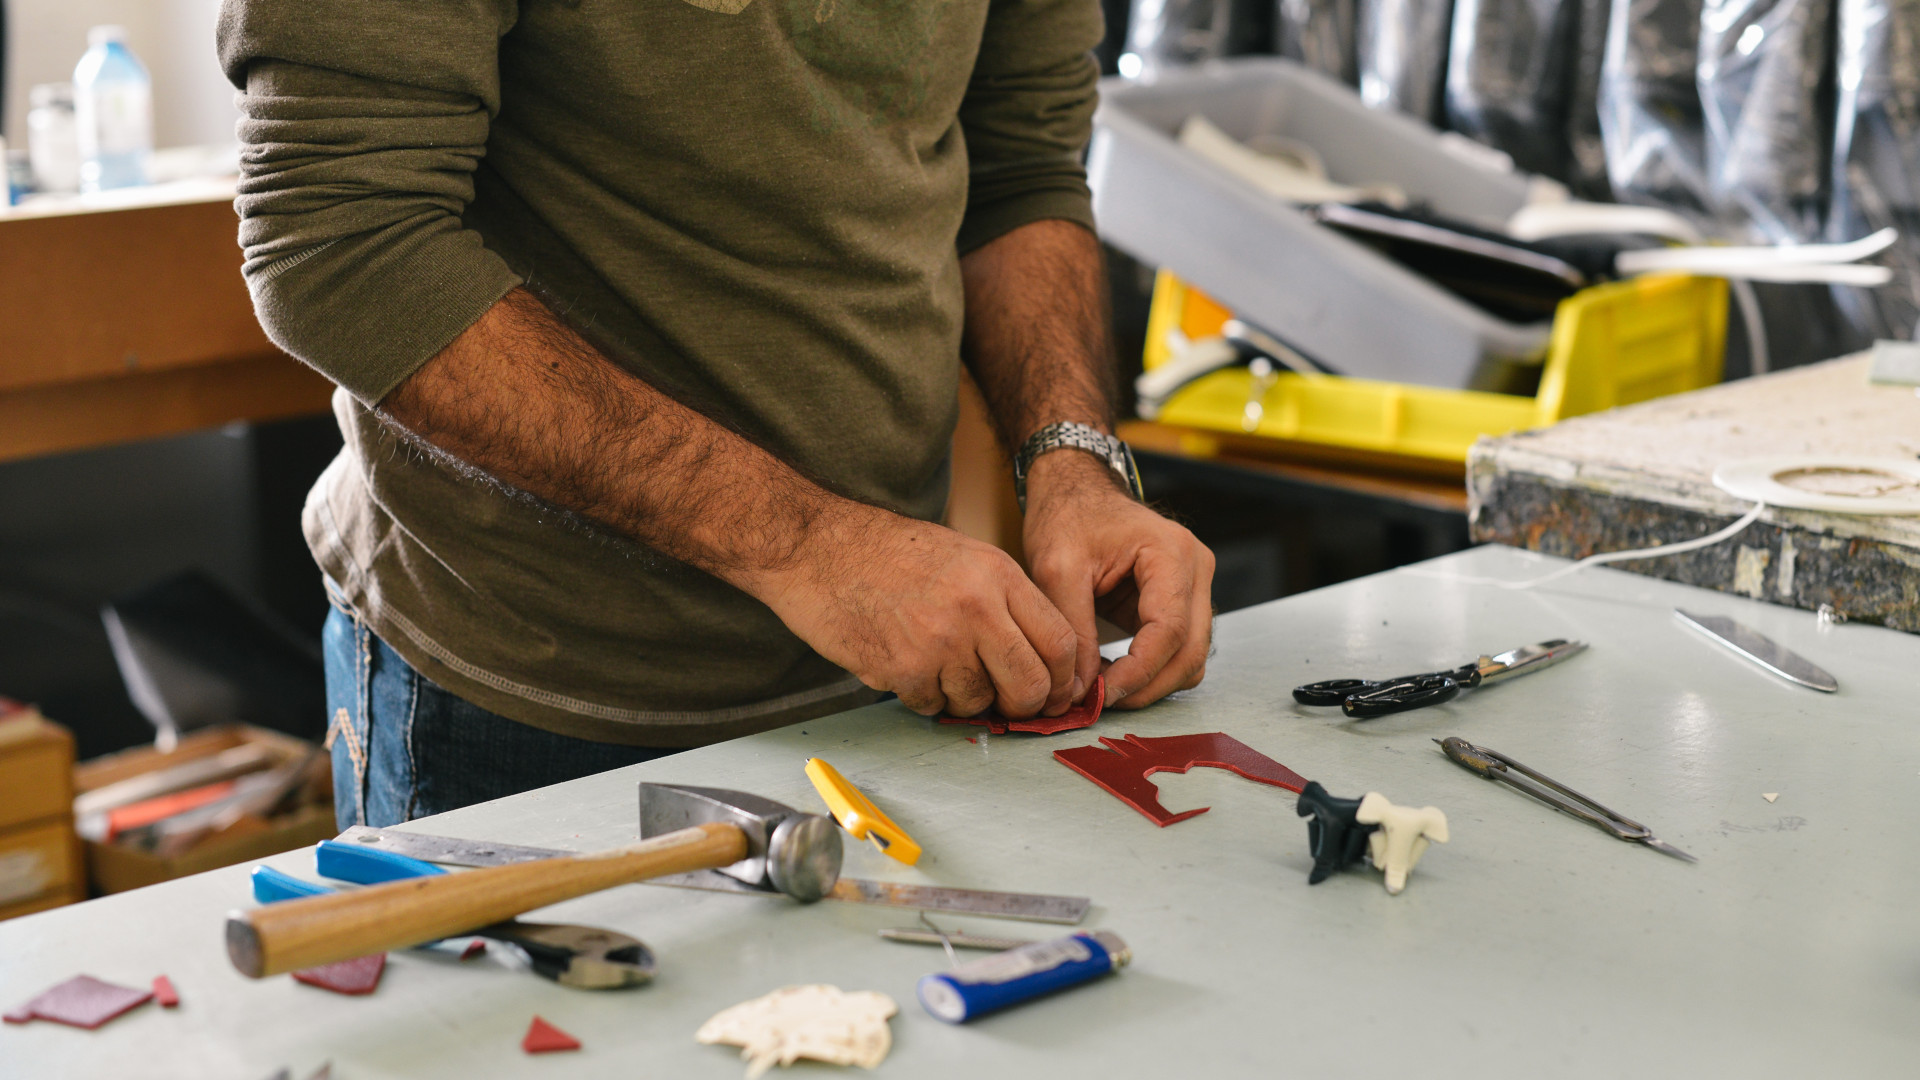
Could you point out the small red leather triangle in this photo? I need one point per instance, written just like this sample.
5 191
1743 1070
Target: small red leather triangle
361 975
543 1037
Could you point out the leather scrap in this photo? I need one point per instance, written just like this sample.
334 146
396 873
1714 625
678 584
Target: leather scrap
164 993
82 1001
361 975
544 1038
1123 766
1080 716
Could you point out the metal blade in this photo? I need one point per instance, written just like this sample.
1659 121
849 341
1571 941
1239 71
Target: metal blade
1528 658
1760 649
1033 907
1660 845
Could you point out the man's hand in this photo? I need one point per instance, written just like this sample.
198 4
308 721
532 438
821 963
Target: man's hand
950 624
1093 548
1036 341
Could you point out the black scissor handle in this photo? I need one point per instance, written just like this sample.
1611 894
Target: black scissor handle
1330 691
1399 695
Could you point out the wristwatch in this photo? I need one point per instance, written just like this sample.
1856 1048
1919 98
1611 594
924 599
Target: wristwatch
1118 455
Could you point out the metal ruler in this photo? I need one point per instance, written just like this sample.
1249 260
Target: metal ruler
1032 907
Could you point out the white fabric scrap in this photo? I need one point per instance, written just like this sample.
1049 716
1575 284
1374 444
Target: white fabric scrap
819 1022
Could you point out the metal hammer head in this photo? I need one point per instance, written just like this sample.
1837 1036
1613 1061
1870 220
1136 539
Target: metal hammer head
794 853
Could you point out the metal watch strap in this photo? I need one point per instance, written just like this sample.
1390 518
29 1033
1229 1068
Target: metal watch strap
1116 453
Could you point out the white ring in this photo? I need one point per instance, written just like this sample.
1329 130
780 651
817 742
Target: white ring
1754 479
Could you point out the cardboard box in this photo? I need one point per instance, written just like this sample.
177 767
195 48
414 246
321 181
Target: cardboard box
37 861
36 766
114 868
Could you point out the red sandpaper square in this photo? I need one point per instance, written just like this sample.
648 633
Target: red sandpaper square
543 1037
357 976
82 1001
164 993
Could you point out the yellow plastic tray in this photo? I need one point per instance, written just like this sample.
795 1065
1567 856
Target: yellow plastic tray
1612 344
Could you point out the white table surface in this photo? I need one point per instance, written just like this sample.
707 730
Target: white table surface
1531 945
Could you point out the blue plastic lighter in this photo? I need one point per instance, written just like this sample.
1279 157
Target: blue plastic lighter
995 982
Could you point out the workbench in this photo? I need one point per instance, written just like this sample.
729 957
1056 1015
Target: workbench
1642 475
1530 945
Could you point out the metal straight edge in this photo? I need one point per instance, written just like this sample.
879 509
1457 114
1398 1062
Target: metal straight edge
1031 907
1757 648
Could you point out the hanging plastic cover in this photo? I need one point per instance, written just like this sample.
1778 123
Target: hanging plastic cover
1876 155
1175 33
1509 73
1586 151
1403 55
1320 34
1650 117
1763 65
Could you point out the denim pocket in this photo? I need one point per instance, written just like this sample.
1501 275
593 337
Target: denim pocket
343 641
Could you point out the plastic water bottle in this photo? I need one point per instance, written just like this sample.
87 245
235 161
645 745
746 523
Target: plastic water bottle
113 112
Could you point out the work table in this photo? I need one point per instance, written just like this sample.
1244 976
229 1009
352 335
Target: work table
1531 944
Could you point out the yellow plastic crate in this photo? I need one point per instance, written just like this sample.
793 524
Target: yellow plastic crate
1612 344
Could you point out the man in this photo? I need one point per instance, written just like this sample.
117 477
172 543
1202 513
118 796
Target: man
687 491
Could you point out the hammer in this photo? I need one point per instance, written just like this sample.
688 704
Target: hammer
763 843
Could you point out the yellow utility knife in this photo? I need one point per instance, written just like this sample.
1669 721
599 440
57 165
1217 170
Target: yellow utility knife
857 814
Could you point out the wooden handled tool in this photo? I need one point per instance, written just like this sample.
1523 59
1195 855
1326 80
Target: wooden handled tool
767 844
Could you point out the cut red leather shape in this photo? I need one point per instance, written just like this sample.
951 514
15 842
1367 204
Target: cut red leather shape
1124 765
543 1037
164 993
1081 715
357 976
82 1001
474 948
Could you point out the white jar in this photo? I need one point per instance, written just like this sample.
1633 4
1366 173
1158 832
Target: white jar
52 138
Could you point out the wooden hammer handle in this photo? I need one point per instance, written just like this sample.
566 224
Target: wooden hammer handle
298 934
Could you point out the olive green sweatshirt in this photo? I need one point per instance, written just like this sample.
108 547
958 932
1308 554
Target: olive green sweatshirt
756 206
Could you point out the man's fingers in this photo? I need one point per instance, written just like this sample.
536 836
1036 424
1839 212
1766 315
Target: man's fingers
1023 683
1188 665
1058 619
1165 610
968 689
923 696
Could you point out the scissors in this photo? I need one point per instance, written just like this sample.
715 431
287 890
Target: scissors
1364 699
1497 766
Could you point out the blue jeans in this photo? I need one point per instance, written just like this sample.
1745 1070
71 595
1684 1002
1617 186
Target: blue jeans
404 748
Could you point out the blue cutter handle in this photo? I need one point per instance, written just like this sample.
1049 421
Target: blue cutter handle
367 866
271 886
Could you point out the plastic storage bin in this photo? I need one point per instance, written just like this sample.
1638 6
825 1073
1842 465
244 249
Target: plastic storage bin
1334 299
1612 344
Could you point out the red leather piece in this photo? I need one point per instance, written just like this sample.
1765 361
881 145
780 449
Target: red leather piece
543 1037
164 993
361 975
1124 765
1080 716
474 948
82 1001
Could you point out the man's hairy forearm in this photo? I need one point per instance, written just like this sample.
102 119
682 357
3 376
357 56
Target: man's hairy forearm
523 398
1036 330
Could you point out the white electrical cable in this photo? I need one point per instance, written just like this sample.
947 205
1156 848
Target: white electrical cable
1684 546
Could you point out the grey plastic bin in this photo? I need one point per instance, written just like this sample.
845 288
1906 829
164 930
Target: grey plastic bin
1337 300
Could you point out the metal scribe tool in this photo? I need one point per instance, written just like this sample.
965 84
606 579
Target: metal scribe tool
1032 907
1497 766
1757 648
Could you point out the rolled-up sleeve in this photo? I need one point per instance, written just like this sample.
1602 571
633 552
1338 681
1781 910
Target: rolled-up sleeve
1027 116
361 126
